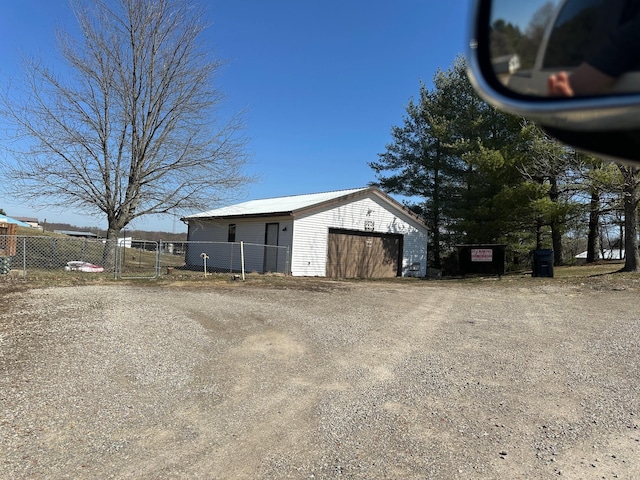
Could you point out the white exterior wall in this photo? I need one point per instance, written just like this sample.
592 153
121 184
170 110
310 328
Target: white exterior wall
311 234
203 231
249 231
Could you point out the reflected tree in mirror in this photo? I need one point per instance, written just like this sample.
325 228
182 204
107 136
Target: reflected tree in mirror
514 47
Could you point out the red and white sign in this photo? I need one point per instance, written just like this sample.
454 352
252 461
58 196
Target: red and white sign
481 255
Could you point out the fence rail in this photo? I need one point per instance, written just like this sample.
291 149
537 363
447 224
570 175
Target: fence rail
28 255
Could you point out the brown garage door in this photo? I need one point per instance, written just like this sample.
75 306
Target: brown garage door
354 254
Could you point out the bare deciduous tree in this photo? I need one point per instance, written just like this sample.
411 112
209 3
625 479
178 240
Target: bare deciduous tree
133 130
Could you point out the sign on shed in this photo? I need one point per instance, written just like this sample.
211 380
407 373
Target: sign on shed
481 259
481 255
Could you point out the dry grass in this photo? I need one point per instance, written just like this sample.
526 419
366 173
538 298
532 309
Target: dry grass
601 276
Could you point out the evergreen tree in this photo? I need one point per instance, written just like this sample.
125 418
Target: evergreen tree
478 175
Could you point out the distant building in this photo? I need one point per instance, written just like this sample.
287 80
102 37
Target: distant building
6 219
32 221
125 242
506 65
609 254
76 233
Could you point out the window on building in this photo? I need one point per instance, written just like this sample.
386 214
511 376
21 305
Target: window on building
231 237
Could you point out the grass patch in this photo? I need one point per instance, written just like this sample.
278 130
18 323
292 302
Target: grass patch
589 270
601 276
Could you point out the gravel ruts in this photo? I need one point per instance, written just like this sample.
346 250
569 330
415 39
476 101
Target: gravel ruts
361 380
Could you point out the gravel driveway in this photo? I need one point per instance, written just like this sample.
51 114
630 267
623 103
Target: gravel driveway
370 380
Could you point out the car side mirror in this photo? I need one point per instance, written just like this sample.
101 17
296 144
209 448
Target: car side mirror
573 66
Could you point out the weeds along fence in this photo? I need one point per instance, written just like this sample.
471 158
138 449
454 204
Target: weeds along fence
38 255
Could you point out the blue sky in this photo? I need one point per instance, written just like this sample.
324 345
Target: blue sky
322 82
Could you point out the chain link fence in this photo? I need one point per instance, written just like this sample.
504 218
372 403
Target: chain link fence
39 255
223 257
25 255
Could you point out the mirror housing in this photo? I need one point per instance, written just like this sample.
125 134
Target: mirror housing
607 124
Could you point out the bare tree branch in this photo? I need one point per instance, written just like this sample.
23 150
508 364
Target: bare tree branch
133 130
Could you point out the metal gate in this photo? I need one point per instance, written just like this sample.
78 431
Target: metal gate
136 259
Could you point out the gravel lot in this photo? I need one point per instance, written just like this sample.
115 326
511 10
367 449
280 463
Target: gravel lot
398 380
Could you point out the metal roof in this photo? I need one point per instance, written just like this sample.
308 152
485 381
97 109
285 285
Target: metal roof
6 219
75 233
278 205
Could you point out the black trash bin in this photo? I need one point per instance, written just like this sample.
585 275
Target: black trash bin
542 263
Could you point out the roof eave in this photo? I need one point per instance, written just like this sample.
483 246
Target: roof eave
238 217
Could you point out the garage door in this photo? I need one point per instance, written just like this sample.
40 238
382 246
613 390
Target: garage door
354 254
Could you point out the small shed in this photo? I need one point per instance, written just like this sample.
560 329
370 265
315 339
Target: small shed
8 240
356 233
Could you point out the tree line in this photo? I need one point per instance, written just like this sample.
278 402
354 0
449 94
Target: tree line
480 176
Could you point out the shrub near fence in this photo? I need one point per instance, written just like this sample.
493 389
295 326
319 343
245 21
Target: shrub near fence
137 259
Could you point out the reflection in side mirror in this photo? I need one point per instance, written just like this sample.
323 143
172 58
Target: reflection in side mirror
568 64
567 47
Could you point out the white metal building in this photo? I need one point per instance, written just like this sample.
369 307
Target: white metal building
360 232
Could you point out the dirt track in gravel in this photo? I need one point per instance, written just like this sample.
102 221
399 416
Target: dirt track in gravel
342 380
